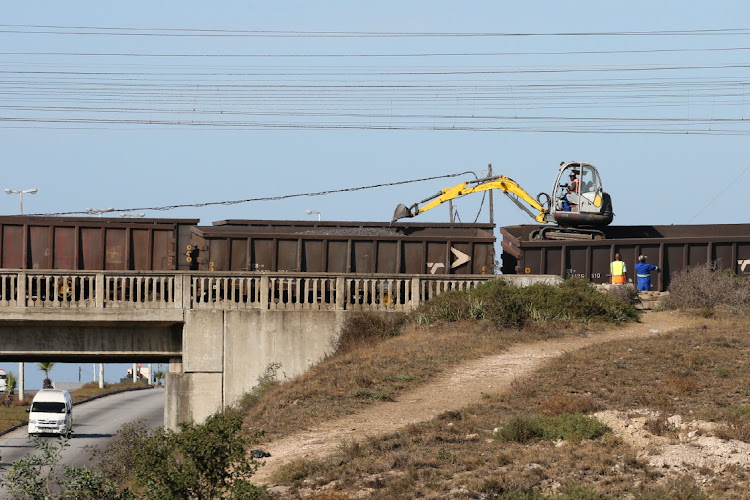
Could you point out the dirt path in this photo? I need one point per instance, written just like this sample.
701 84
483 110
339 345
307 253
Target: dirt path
460 386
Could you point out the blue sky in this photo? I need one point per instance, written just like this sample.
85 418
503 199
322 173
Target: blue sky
148 104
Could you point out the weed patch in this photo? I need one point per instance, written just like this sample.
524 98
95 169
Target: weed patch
570 427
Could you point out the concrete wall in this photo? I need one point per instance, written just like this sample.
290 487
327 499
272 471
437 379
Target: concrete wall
226 352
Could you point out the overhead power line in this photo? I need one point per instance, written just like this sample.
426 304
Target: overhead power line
192 32
269 198
369 55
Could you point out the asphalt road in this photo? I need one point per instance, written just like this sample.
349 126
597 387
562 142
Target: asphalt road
93 424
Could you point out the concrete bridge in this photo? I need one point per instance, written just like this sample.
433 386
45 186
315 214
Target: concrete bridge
218 331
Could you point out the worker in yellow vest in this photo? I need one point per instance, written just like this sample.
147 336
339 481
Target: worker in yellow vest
617 270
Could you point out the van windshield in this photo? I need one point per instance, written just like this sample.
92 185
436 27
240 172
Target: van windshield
48 407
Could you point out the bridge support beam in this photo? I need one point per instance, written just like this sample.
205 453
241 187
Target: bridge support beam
226 352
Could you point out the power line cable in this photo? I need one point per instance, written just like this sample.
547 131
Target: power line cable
731 183
268 198
192 32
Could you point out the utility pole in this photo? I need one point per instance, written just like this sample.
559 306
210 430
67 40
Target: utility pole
492 204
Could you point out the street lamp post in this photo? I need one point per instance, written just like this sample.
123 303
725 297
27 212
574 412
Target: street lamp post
313 212
133 215
100 211
20 193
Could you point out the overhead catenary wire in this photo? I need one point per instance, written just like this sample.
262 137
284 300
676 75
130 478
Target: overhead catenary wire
268 198
203 32
712 200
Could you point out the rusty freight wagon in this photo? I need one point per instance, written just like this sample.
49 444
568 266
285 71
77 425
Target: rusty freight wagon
343 247
93 243
49 248
673 248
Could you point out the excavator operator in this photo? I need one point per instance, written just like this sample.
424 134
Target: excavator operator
574 188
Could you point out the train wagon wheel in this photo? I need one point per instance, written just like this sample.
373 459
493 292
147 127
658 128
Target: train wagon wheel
65 290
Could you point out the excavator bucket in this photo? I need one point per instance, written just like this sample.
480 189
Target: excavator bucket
402 211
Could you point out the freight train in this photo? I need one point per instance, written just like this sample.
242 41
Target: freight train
116 244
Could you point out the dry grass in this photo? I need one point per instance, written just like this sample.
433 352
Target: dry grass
348 381
702 288
700 372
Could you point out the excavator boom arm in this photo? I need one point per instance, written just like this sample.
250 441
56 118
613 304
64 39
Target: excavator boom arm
505 184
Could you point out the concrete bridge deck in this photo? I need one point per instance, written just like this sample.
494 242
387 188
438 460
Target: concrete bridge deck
218 331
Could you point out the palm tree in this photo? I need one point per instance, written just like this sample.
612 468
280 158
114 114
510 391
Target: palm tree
10 383
46 367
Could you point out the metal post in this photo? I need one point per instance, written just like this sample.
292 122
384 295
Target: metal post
135 374
492 204
101 375
150 374
93 370
20 381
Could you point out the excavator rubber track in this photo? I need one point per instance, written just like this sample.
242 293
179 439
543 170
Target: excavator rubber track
562 233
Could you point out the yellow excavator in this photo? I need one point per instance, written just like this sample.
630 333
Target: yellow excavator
578 207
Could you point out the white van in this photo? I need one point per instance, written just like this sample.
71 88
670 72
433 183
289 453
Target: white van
51 412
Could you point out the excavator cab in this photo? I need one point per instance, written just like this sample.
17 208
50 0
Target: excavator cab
578 198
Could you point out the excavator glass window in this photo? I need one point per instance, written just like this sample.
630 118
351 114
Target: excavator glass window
580 189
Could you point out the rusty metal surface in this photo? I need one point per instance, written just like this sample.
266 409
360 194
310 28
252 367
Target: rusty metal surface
673 248
93 243
344 247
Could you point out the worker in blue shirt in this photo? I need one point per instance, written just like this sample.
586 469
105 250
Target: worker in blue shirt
643 273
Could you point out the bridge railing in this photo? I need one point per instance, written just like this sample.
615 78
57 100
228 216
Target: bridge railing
213 290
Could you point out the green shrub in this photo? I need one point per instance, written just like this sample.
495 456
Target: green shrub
511 306
568 426
199 461
701 287
206 460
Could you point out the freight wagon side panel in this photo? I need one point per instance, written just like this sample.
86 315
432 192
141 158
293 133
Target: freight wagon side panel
287 255
412 258
363 258
13 255
262 255
674 262
115 249
39 248
483 260
697 254
163 253
238 254
723 255
64 251
601 256
437 260
217 256
577 265
337 256
91 248
140 247
466 267
387 257
313 256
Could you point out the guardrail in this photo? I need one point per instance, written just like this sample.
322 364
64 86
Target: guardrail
214 290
